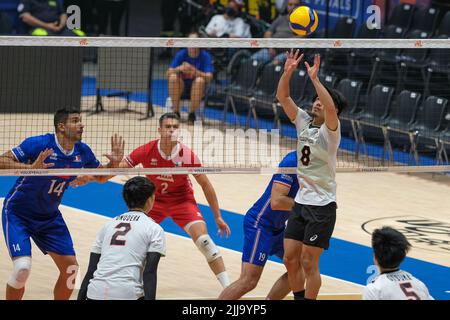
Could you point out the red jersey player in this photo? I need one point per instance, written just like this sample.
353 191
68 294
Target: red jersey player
174 193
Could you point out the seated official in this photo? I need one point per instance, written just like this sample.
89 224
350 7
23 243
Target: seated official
46 18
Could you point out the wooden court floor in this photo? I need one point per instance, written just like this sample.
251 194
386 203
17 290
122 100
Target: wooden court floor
368 199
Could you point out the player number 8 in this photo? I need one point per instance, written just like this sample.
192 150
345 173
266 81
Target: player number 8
306 153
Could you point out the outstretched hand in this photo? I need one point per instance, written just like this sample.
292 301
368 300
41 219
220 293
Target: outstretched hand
117 150
292 60
39 162
314 70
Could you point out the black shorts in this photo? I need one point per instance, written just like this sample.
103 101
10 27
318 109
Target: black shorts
312 225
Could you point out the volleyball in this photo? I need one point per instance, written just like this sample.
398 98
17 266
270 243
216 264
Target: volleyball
303 20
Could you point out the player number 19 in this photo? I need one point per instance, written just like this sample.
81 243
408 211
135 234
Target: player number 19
58 189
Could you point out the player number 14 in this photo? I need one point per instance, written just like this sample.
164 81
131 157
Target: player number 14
56 188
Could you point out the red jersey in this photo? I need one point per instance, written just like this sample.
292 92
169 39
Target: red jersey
168 186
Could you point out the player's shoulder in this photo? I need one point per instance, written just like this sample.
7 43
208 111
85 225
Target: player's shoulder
41 141
289 160
149 147
83 147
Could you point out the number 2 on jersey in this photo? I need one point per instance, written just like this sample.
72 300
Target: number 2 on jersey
306 152
164 186
123 229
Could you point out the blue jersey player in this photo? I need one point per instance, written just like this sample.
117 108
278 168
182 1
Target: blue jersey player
30 210
264 226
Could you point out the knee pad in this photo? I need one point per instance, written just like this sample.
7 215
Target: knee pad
207 246
21 272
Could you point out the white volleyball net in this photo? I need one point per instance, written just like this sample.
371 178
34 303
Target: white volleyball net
397 117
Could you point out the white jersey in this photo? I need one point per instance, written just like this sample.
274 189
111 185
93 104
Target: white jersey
396 285
317 156
123 244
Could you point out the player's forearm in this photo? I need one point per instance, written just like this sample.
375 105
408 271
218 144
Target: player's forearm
93 262
33 21
211 197
283 91
323 94
8 163
282 203
149 275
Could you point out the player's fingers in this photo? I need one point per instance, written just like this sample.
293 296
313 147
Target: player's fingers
48 165
307 65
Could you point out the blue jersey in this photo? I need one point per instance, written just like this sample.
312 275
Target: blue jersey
261 214
40 196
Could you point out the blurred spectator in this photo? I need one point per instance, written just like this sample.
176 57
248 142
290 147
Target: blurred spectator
110 12
46 18
229 24
5 24
278 29
188 76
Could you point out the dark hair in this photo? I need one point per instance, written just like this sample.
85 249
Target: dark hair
62 114
338 98
168 115
136 192
390 247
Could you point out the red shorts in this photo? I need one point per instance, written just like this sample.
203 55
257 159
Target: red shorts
181 210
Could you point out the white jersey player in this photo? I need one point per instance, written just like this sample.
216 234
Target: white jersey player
390 248
125 255
311 225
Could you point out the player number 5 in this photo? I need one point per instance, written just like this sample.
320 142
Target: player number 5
58 189
407 290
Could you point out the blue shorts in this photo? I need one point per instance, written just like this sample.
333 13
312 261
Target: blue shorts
49 234
260 243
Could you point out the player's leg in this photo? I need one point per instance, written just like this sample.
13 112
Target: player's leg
250 275
320 221
199 234
281 287
176 87
197 93
54 239
257 246
293 245
68 269
17 239
310 263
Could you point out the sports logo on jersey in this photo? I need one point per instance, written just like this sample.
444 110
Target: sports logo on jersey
77 158
154 162
313 238
54 156
178 164
199 214
165 177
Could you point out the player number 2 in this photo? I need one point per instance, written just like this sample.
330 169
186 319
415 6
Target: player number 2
58 189
306 152
164 186
407 290
123 229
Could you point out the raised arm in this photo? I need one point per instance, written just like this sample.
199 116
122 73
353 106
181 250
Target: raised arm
211 197
283 94
9 161
331 118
